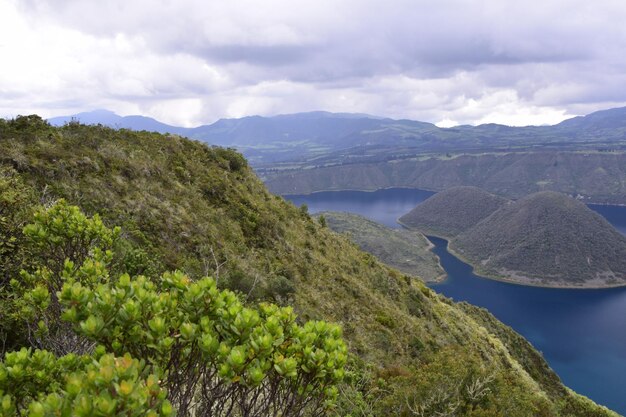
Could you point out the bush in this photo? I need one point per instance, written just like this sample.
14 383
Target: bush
212 354
39 384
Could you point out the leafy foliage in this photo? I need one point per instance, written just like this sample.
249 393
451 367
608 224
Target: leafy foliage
39 384
214 355
204 338
66 246
184 206
15 200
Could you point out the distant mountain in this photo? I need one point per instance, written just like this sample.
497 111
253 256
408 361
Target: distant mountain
271 139
322 138
545 239
406 250
306 136
110 119
452 211
603 119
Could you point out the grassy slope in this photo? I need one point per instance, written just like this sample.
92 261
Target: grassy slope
193 207
546 238
452 211
407 251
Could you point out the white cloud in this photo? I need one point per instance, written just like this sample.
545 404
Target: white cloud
192 61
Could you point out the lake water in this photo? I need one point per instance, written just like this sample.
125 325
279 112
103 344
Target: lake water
581 333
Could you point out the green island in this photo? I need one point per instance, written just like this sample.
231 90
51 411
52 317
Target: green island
545 239
453 211
149 274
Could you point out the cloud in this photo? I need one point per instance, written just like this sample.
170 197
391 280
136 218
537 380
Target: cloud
193 61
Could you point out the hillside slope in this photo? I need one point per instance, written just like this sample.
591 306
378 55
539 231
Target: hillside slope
452 211
184 205
406 250
599 177
546 238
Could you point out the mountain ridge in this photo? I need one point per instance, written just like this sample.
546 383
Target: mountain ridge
113 120
312 137
100 116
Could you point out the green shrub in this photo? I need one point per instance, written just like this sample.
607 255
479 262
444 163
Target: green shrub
39 384
213 354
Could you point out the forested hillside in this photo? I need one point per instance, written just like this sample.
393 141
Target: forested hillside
182 205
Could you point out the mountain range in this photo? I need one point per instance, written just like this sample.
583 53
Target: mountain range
324 138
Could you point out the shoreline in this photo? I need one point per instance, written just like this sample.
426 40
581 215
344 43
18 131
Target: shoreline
477 271
401 268
332 190
403 187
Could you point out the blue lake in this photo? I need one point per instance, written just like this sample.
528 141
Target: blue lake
581 333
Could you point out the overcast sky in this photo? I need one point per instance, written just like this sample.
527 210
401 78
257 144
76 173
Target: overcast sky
191 62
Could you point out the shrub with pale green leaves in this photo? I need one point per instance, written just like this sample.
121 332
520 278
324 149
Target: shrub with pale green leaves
138 338
205 340
39 384
68 246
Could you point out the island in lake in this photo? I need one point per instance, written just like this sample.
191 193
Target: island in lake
544 239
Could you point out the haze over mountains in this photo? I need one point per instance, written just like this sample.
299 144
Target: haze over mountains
307 152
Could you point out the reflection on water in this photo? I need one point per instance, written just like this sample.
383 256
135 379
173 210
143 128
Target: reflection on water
582 333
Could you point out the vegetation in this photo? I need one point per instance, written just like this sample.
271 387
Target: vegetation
407 251
548 239
452 211
182 206
201 346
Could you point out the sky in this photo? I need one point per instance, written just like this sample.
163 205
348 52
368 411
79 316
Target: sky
191 62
